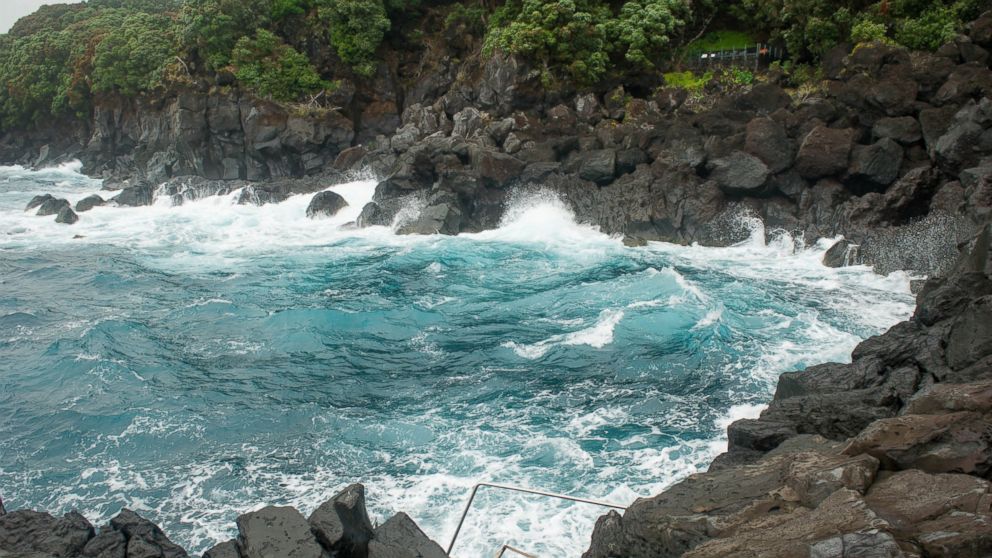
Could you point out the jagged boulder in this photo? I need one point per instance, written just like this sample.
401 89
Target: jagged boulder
38 201
52 206
768 140
599 166
226 549
873 167
824 152
904 129
342 524
135 196
740 174
67 216
27 532
107 544
326 204
144 538
841 254
400 537
89 202
277 531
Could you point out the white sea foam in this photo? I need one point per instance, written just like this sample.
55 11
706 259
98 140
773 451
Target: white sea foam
596 336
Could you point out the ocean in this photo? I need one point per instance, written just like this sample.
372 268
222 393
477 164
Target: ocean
198 361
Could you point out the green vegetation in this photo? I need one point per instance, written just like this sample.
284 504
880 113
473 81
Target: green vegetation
583 39
53 62
688 80
274 69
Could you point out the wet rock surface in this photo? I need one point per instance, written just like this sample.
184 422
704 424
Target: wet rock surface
338 528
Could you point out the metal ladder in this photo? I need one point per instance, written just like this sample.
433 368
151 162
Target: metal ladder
506 547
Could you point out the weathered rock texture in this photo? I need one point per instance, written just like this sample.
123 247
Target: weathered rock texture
890 455
895 153
338 528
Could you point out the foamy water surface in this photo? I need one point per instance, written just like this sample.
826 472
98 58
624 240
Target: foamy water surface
198 361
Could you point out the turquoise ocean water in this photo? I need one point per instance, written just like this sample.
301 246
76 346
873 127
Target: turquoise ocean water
194 362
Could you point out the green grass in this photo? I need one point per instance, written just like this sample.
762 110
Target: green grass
721 40
688 80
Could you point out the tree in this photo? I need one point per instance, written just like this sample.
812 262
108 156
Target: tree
356 29
274 69
211 28
131 58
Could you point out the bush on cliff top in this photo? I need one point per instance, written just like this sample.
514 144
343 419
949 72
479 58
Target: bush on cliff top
274 69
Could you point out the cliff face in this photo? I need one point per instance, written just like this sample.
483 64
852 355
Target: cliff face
892 151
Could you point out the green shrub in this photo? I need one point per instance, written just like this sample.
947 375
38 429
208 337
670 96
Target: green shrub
867 31
740 76
642 30
274 69
131 57
211 28
688 80
357 28
930 30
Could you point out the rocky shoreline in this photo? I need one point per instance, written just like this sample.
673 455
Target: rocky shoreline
887 456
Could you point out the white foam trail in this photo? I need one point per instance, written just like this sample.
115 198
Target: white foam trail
596 336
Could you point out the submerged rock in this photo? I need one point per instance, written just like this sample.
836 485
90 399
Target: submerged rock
326 204
37 201
52 206
67 216
841 254
89 202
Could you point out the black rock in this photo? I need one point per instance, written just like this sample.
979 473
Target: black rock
89 202
399 537
824 152
135 196
875 166
52 207
740 174
26 531
67 216
342 524
970 338
108 544
599 166
904 129
841 254
767 140
227 549
277 531
325 204
144 537
37 201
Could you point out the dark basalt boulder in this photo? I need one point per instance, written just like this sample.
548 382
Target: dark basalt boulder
599 166
226 549
325 204
37 201
399 537
824 152
67 216
26 532
873 167
767 139
52 207
903 129
135 196
342 524
740 174
277 531
144 538
107 544
970 338
89 202
841 254
494 168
